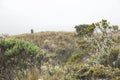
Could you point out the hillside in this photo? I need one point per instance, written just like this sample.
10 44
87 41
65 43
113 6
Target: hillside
66 55
54 43
61 44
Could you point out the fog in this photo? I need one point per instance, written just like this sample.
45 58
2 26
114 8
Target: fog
19 16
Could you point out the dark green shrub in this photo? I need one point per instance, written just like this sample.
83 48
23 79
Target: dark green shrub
16 55
112 59
85 29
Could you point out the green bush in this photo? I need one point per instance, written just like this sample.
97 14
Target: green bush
17 55
112 59
85 29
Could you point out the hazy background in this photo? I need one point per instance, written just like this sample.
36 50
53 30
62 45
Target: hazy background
19 16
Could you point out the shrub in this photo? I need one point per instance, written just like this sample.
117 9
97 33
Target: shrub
17 55
112 59
96 72
85 29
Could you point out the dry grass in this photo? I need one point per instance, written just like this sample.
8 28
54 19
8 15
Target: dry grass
116 35
55 40
59 39
32 74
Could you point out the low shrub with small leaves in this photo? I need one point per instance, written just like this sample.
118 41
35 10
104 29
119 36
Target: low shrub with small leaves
75 71
17 55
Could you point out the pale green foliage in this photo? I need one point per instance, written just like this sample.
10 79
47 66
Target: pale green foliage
17 55
104 45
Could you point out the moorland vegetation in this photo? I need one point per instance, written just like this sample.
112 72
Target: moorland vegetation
90 53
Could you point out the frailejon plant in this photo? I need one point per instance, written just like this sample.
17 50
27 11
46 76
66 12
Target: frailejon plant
104 43
101 42
17 55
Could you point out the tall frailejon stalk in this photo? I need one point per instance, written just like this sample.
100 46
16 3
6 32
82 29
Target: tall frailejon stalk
102 41
99 36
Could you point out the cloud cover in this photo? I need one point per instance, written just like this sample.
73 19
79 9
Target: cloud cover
19 16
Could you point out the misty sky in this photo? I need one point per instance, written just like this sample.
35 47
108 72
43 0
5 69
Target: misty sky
19 16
